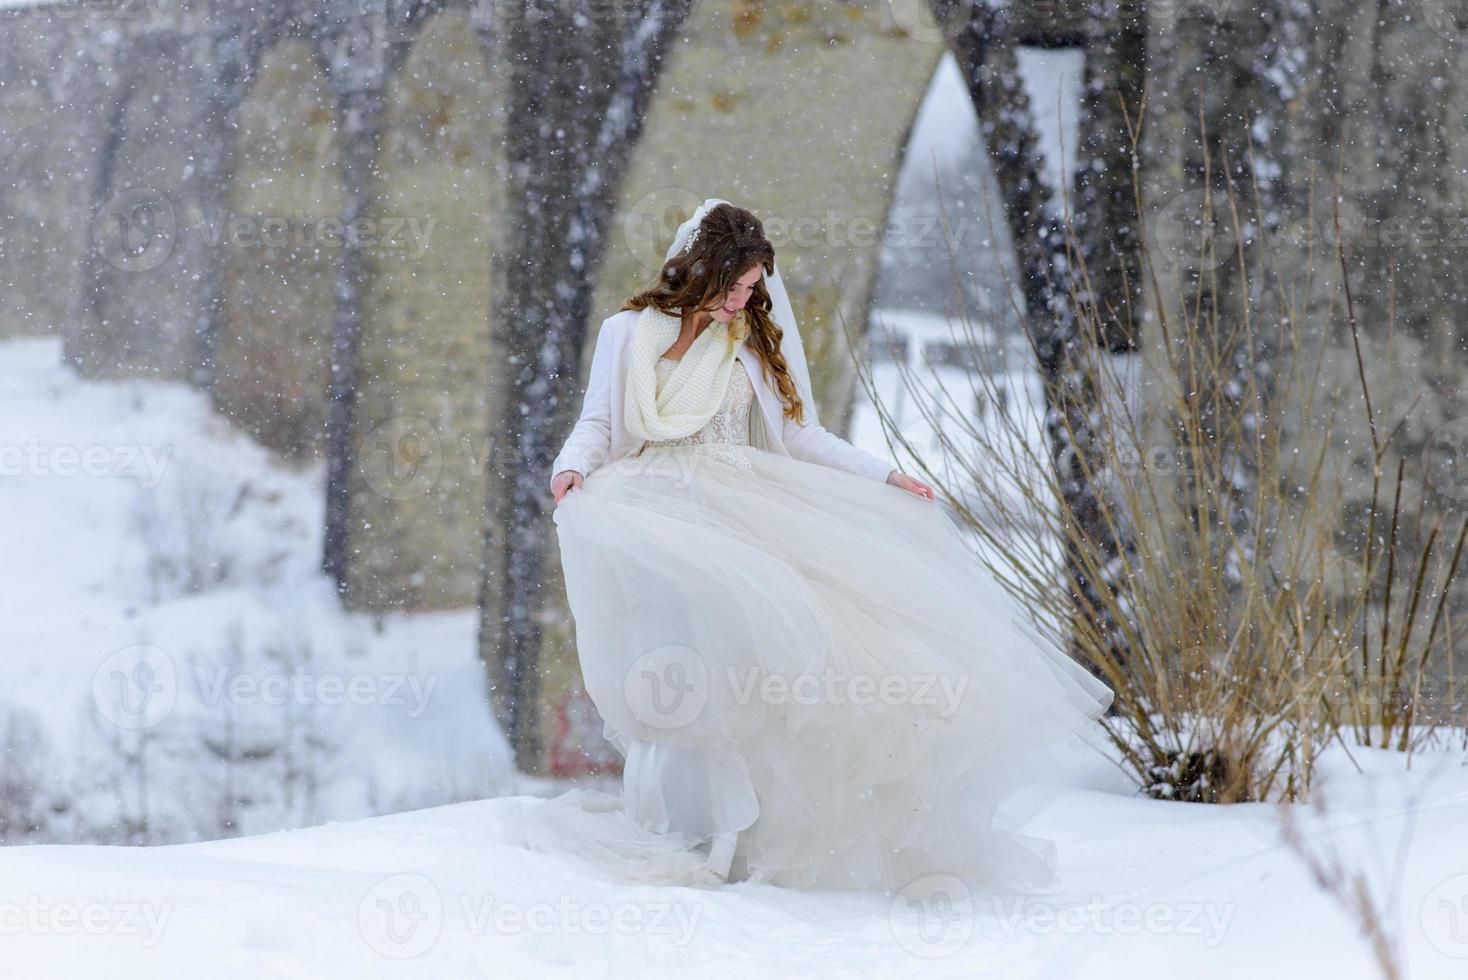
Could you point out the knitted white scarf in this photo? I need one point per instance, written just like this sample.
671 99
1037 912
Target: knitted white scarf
695 389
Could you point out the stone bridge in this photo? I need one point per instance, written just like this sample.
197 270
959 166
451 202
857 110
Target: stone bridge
181 178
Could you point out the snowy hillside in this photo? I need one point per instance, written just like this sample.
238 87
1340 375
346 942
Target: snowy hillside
1148 889
113 585
164 608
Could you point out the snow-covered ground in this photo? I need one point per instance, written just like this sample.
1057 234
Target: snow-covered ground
172 657
109 583
1148 889
1007 356
937 349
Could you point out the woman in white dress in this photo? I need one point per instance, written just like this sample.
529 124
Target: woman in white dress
782 632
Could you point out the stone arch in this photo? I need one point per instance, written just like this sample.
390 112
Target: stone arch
277 250
147 288
147 259
919 295
420 478
43 206
820 172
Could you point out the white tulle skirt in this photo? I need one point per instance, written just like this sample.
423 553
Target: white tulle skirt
814 659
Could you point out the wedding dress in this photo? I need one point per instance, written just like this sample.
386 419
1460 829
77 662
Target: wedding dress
807 656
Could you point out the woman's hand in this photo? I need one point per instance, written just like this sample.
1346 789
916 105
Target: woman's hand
564 481
899 479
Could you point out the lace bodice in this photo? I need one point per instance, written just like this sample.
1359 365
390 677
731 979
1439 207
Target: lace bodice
729 426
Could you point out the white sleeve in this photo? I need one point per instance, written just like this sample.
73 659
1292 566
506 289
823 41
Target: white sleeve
590 441
814 443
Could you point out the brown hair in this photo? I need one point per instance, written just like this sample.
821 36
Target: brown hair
729 242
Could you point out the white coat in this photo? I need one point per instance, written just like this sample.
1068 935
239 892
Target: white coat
601 436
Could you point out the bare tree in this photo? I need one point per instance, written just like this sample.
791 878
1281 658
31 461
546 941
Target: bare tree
1113 36
570 134
361 49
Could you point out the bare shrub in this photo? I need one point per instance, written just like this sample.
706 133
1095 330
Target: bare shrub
1236 627
28 800
196 533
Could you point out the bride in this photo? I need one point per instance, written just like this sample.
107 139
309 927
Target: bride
785 635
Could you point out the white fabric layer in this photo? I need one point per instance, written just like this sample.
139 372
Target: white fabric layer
806 655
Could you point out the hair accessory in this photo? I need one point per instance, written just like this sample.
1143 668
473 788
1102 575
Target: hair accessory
780 310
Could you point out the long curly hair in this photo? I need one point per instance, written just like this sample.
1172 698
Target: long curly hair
728 243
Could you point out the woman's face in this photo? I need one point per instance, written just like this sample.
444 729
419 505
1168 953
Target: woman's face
726 307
